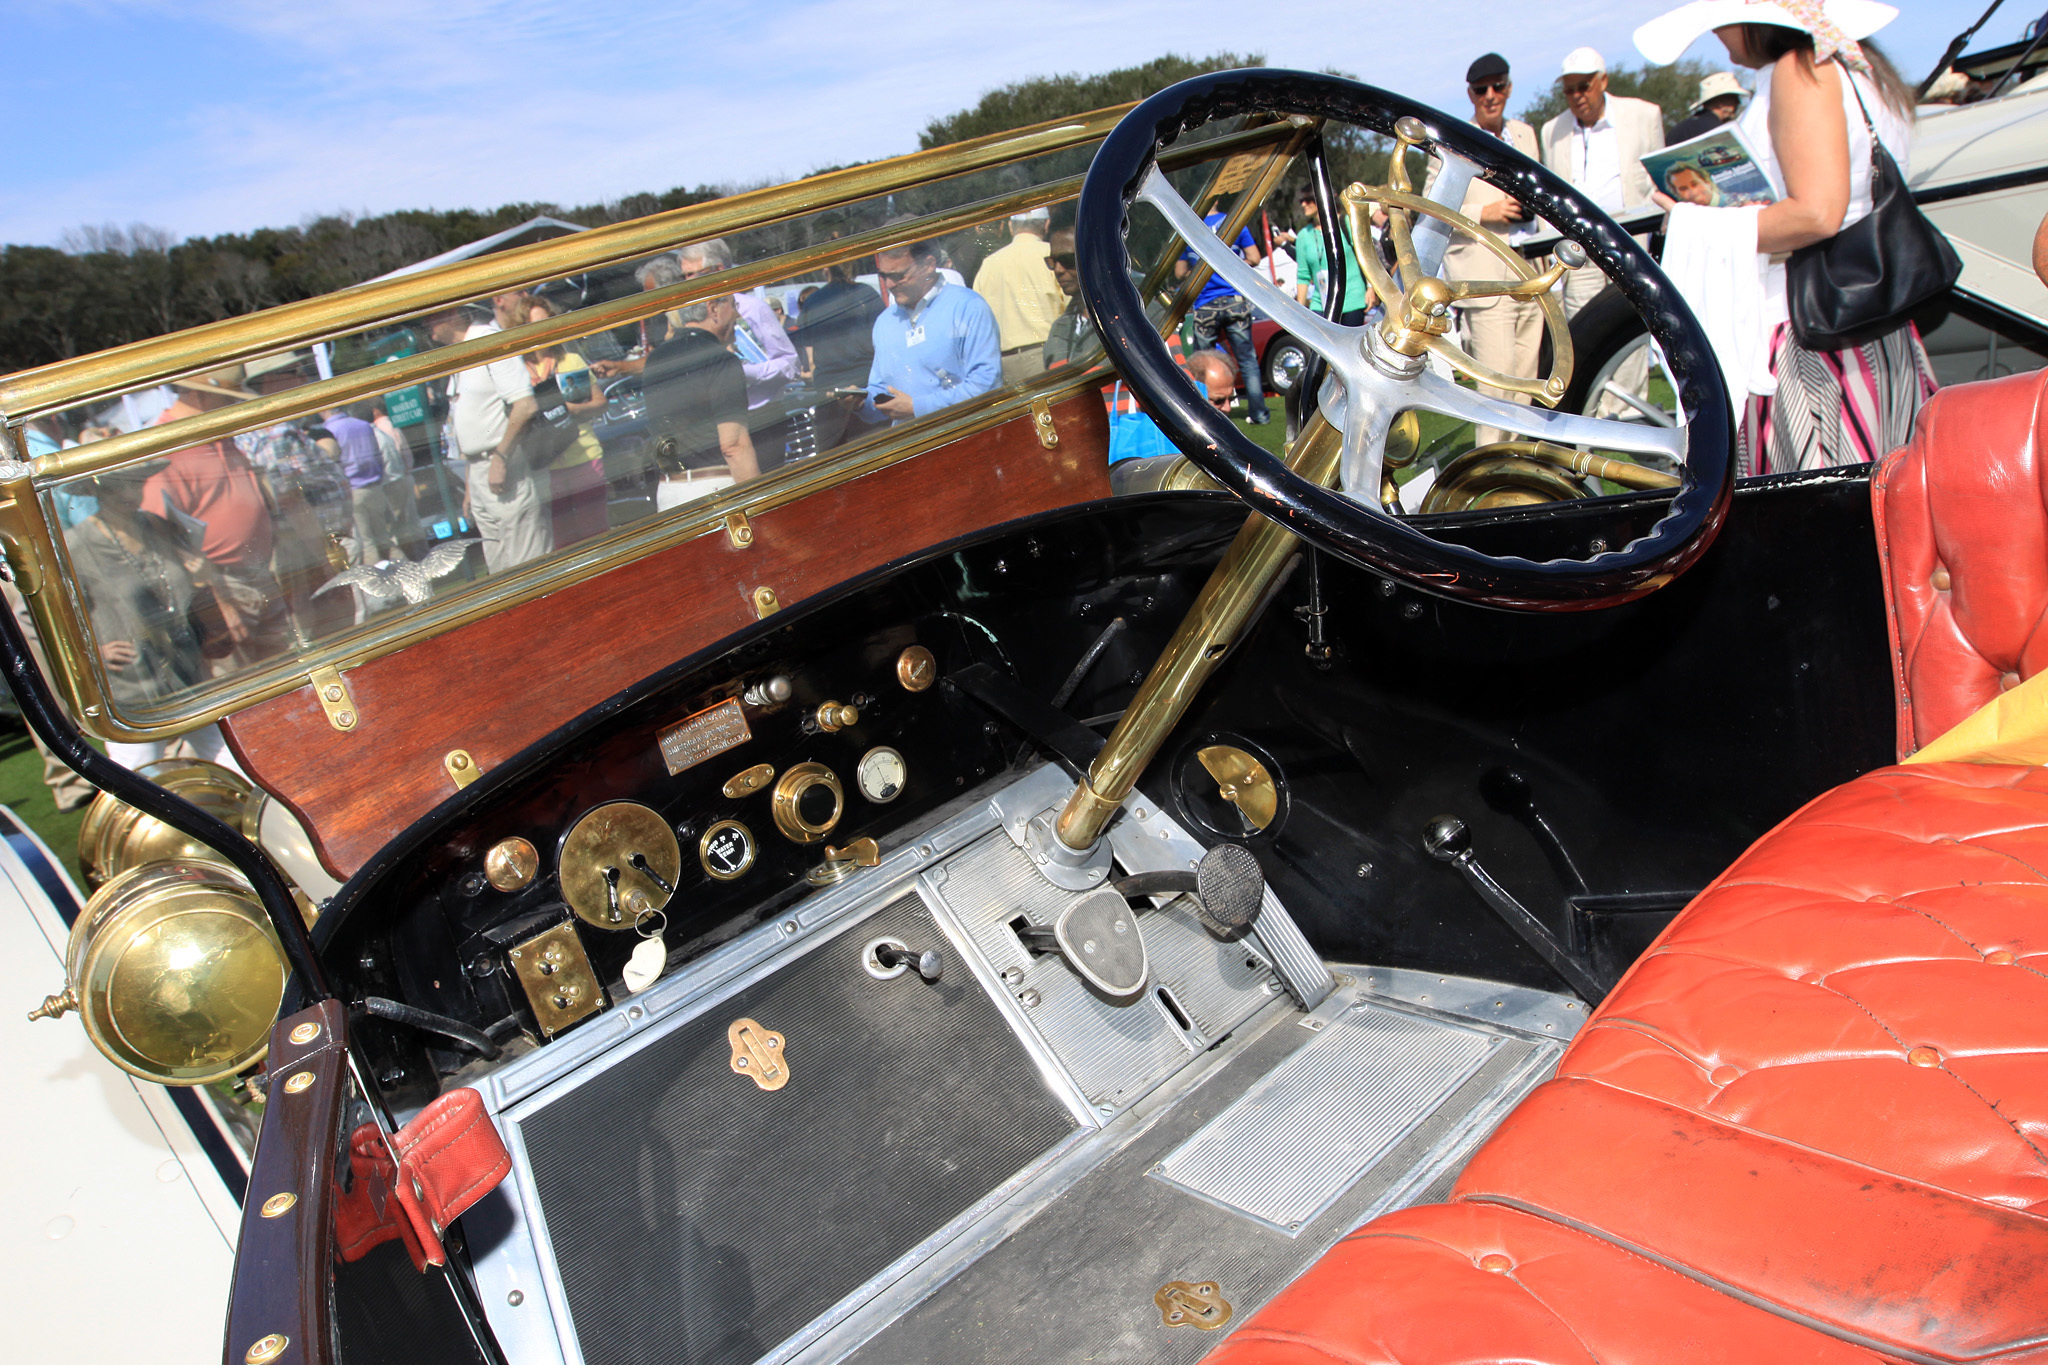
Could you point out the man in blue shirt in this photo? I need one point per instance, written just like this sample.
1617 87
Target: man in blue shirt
935 345
1221 310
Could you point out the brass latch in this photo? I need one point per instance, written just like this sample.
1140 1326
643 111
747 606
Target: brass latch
840 863
765 603
335 698
748 781
1200 1306
1242 781
738 530
461 767
757 1054
1041 422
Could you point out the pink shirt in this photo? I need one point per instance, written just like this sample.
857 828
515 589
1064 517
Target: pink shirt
214 483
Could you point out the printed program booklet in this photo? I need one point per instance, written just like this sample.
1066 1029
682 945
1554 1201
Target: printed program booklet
1717 169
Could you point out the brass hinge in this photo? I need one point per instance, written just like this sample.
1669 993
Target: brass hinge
335 698
739 530
461 767
1041 422
765 603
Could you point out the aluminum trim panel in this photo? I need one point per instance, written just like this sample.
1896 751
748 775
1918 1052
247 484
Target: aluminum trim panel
1115 1051
1293 1143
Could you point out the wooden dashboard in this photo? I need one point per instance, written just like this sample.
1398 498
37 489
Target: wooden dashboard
478 689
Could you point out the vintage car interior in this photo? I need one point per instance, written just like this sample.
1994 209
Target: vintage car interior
956 902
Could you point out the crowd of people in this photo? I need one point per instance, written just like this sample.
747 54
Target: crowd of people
1820 97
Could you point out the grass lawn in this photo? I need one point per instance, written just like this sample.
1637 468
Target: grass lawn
23 792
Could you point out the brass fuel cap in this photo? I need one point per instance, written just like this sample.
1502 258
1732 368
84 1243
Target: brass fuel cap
619 862
176 973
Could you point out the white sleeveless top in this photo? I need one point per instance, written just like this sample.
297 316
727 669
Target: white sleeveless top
1895 132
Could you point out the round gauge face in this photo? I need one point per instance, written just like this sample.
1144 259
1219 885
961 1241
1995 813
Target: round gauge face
882 774
726 850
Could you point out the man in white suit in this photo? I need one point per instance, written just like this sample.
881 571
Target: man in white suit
1598 145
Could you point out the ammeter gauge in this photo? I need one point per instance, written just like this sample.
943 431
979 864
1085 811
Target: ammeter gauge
881 774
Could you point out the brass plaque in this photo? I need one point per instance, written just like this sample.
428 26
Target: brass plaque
618 862
557 977
1238 172
1201 1306
707 734
749 781
757 1054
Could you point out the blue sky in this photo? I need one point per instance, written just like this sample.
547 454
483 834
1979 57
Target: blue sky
238 114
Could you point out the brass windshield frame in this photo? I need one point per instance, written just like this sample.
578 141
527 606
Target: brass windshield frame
39 562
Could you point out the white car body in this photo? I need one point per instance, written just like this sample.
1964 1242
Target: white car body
119 1217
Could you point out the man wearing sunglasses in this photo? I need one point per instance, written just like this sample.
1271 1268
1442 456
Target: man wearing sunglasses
935 345
1502 334
1598 144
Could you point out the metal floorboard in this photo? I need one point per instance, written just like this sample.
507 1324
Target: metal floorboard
1077 1282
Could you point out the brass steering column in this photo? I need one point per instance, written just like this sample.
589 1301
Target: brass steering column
1235 591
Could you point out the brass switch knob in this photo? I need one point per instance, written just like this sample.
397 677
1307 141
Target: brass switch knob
832 717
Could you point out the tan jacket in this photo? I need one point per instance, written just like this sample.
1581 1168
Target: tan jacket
1638 124
1021 292
1466 259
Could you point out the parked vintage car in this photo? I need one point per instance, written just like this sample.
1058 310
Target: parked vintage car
933 904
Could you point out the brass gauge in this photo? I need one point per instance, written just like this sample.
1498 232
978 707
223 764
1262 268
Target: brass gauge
619 861
808 803
726 851
916 669
881 775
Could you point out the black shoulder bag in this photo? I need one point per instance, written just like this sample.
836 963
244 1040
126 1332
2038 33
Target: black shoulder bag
1868 278
553 428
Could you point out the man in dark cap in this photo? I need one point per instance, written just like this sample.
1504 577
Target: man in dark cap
1503 334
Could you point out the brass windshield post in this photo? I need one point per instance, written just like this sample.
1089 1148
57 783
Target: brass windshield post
1250 569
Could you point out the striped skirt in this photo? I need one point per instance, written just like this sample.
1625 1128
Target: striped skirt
1835 407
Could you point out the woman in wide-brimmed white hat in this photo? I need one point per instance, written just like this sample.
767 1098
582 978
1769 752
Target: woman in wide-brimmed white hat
1815 80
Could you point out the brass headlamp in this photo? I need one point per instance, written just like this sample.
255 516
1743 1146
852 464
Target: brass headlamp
175 972
115 837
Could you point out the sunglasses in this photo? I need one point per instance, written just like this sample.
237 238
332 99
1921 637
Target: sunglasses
1491 87
1060 260
895 276
1577 87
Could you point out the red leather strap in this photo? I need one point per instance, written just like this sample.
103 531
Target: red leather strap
449 1157
452 1156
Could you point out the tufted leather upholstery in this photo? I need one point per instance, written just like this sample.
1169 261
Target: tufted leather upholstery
1810 1123
1964 542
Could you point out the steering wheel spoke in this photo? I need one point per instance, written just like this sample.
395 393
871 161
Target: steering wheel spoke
1326 338
1441 395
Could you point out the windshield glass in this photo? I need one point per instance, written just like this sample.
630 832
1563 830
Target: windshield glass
338 499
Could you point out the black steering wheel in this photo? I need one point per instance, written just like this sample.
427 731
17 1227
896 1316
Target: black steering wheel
1371 383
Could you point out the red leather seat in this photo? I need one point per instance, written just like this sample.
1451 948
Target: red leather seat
1962 530
1811 1123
